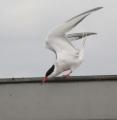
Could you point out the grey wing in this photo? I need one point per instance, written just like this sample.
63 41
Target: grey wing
77 36
60 45
70 24
58 42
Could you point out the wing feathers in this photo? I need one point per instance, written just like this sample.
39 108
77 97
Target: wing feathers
77 36
89 11
68 25
58 40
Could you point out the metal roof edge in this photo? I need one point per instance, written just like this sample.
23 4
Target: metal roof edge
88 78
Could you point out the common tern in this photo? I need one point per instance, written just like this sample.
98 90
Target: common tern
68 57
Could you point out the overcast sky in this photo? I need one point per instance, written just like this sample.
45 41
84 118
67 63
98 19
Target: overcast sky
24 25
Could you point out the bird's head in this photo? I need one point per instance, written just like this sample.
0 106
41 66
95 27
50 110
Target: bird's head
51 72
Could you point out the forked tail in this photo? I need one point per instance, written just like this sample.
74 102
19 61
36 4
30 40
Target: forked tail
83 41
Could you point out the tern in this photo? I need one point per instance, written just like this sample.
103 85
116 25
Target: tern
68 57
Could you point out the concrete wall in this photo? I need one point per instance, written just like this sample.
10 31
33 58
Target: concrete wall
58 101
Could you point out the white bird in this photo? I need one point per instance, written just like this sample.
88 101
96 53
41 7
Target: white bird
68 58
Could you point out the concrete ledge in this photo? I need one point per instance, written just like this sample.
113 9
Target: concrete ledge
93 78
76 98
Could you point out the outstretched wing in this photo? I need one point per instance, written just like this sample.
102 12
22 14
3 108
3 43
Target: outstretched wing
68 25
58 42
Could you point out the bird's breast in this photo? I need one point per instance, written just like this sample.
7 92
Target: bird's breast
68 60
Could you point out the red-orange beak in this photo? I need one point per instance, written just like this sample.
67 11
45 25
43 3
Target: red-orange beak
44 79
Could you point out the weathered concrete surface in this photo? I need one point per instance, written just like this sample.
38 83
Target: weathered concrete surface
63 101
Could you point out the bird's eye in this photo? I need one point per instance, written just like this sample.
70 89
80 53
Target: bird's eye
50 70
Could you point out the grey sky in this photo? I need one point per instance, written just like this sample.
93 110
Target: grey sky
24 25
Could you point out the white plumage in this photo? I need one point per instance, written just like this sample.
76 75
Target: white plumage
67 56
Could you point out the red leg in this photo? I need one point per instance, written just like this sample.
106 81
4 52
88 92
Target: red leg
45 79
68 74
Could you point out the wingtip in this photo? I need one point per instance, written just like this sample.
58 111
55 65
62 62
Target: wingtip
94 33
91 33
95 9
100 7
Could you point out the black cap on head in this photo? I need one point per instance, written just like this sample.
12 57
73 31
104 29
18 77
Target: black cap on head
50 70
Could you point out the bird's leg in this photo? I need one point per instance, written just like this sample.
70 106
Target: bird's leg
45 79
68 74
